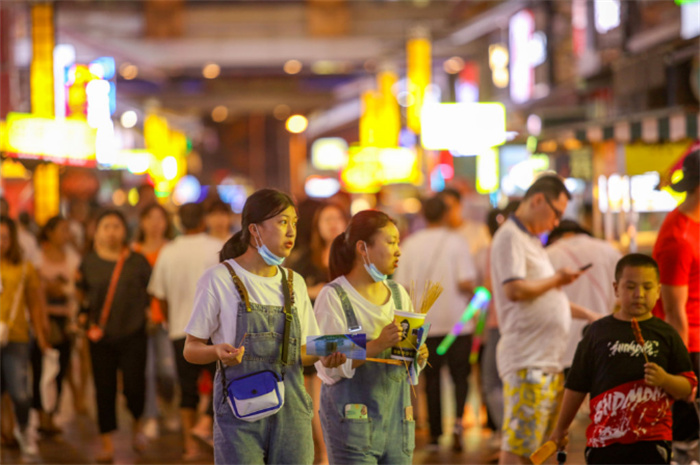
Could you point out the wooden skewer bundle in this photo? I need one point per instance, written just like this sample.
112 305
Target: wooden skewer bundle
431 292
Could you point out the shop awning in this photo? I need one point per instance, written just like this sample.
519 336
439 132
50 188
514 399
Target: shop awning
652 127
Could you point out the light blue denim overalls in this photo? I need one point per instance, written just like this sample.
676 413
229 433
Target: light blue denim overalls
284 437
388 435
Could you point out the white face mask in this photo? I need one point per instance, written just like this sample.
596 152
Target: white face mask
267 256
376 275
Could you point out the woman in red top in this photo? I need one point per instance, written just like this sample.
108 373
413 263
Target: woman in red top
156 230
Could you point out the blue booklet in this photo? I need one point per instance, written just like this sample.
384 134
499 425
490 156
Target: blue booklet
354 346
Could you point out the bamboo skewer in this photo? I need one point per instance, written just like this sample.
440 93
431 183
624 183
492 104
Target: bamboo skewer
386 361
240 344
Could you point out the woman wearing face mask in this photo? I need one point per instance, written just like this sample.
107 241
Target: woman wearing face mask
366 408
248 306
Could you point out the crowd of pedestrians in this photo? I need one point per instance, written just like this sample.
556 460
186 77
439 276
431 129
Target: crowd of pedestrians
188 311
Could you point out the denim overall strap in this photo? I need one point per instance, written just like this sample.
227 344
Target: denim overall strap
267 439
387 435
350 317
288 292
395 293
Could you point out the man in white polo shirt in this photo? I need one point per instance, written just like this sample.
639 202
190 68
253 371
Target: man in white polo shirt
174 281
534 316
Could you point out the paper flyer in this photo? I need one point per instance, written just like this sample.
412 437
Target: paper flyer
354 346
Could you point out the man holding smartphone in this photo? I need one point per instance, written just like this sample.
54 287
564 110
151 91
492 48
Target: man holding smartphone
534 316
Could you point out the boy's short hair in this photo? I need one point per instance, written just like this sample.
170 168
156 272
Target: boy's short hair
218 206
635 260
434 209
191 216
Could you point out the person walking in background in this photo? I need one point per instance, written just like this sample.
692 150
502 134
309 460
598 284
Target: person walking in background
677 250
366 409
534 317
113 281
20 289
439 254
155 230
58 267
174 281
569 245
311 262
219 220
632 378
476 233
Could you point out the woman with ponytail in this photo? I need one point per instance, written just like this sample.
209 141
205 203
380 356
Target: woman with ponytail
366 408
248 306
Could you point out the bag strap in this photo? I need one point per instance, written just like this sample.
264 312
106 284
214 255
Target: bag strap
239 286
395 293
350 317
116 273
288 292
18 296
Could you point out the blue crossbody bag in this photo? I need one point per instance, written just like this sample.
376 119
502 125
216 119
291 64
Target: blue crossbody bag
260 394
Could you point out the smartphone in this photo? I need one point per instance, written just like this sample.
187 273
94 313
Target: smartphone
356 411
585 267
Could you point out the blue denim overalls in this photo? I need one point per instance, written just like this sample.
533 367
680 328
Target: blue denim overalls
284 437
388 435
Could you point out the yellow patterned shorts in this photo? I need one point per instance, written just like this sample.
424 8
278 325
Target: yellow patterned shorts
531 401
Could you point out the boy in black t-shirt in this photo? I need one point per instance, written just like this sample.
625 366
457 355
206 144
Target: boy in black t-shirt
630 399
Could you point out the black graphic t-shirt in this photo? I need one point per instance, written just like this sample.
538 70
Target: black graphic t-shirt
609 365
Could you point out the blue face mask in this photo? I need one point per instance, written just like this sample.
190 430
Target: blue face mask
372 270
267 256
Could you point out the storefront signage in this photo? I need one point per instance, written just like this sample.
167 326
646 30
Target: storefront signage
463 128
68 141
369 168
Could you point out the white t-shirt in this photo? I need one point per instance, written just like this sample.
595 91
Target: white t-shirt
29 246
594 289
534 333
331 319
477 235
438 255
174 279
216 302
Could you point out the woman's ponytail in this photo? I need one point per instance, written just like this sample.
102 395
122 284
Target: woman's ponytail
234 247
342 257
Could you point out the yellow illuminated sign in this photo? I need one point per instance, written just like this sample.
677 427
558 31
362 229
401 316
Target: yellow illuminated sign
368 120
418 62
388 115
487 171
369 168
12 169
169 149
46 192
65 141
41 74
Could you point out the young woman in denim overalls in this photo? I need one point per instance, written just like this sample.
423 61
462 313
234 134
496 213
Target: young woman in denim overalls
243 305
366 409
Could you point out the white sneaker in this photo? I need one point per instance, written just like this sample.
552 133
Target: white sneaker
26 441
